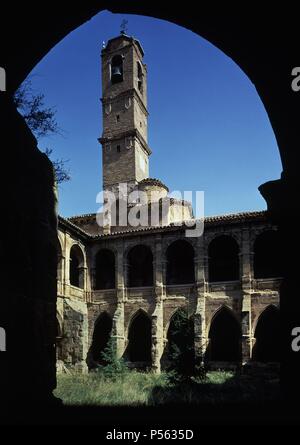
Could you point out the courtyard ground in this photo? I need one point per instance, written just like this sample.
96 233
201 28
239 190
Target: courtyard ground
148 389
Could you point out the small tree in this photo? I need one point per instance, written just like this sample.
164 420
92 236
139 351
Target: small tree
113 366
41 121
181 346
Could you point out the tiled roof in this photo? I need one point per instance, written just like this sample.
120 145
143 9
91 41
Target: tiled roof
85 215
235 217
209 220
154 181
68 223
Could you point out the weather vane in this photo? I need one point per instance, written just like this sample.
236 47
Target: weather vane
123 26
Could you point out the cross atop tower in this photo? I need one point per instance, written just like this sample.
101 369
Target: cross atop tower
123 26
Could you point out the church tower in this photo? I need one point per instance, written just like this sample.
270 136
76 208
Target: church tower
125 151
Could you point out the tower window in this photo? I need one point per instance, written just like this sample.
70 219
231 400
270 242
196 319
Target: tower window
140 77
116 69
118 118
118 148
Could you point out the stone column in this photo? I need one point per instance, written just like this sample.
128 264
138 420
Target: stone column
67 268
199 318
157 316
61 274
93 278
119 317
246 289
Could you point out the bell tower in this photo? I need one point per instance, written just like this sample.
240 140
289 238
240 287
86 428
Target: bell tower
125 151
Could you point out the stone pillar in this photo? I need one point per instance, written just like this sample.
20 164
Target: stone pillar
119 317
164 264
125 272
67 267
93 278
157 316
61 274
199 318
246 289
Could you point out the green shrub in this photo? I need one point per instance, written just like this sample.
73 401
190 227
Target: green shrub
181 347
114 367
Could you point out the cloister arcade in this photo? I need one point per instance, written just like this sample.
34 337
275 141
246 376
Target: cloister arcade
132 288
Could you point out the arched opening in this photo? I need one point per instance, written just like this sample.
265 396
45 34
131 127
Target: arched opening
180 348
267 335
101 335
76 267
223 257
140 77
224 338
140 266
139 339
266 255
116 69
105 270
180 263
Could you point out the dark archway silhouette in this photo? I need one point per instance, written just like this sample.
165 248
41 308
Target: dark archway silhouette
223 253
139 338
267 335
225 337
180 263
180 348
105 275
140 266
266 255
76 267
39 36
101 335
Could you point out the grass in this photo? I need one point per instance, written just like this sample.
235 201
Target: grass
148 389
132 389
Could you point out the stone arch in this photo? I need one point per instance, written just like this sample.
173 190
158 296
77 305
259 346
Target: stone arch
140 266
139 346
267 336
225 336
77 262
236 235
105 269
223 259
266 260
102 332
180 256
168 321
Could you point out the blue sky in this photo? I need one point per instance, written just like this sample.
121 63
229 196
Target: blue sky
208 129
